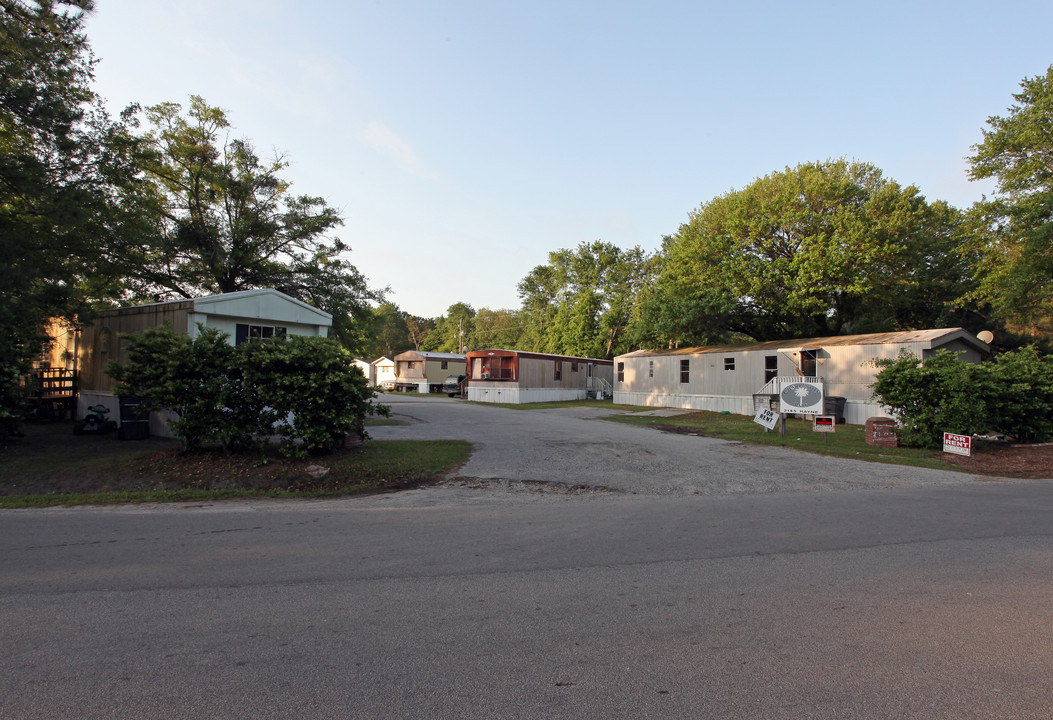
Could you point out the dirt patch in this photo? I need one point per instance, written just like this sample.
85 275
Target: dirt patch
1019 461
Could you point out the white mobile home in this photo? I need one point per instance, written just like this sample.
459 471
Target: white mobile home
511 376
383 370
737 378
425 371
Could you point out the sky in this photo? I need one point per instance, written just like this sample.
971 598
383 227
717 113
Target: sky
464 140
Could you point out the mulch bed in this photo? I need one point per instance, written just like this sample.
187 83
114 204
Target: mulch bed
1020 461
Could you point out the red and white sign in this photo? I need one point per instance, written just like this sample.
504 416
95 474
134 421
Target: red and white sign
957 444
825 423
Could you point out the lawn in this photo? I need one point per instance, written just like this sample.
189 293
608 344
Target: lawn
51 466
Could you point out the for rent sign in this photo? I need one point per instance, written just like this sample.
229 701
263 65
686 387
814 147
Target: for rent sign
957 444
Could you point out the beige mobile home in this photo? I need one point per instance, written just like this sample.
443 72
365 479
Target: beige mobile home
738 378
510 376
425 371
246 316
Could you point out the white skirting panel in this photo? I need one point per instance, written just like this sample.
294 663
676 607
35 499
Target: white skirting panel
517 396
158 420
856 413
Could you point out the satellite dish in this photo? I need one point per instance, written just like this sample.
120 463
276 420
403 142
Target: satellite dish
986 336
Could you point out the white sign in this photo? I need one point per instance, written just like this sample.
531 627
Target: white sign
957 444
801 398
767 418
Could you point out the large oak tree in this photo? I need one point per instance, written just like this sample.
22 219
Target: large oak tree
821 249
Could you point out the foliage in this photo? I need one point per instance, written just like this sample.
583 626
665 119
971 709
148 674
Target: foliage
56 165
390 331
1021 402
583 301
419 329
311 395
452 330
192 378
1011 395
929 398
304 390
496 329
225 220
816 250
1015 241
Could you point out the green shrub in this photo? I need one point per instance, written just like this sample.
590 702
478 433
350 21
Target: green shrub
1011 395
304 390
1020 399
307 391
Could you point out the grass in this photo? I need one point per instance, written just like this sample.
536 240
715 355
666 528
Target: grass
41 479
848 441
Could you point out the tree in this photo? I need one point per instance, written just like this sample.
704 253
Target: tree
391 333
816 250
225 220
452 330
497 329
57 166
1015 242
419 328
583 301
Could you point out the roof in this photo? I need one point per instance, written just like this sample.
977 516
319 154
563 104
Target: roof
541 356
426 355
926 338
242 303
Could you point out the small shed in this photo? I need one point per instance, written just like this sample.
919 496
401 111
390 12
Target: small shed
246 316
422 371
512 376
736 378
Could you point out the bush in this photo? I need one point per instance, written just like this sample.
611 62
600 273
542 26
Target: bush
307 391
1011 395
303 389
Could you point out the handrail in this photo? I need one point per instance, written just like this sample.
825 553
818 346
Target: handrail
770 387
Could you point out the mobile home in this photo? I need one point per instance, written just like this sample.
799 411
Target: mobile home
738 379
511 376
423 372
246 316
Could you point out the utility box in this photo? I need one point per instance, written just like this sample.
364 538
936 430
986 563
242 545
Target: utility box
135 423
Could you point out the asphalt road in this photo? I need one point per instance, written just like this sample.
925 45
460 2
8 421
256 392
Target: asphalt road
502 597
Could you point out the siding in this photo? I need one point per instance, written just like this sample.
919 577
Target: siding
846 365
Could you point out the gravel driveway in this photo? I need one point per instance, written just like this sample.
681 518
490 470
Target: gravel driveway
570 447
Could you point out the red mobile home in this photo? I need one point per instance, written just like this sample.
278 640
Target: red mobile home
511 376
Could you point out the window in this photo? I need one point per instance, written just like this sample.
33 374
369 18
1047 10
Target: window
257 333
621 372
771 368
685 371
444 365
650 368
559 371
729 363
573 367
494 368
